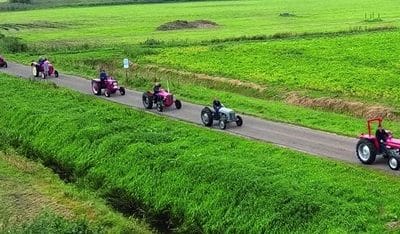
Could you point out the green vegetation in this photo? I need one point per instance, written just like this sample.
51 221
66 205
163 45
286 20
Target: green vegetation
359 67
12 5
325 50
186 178
34 200
136 23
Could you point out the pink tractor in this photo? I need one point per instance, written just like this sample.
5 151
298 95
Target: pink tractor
3 62
368 147
161 100
110 86
43 69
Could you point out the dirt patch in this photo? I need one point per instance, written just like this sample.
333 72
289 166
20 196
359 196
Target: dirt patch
35 24
358 109
184 24
287 14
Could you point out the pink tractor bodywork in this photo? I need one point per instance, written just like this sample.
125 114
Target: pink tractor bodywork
110 86
3 62
164 99
44 70
368 147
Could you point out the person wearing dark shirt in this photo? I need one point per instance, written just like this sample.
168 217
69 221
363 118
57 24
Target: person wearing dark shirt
381 135
156 91
217 105
103 77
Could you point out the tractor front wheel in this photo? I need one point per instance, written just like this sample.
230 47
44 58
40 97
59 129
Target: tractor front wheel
5 65
178 104
56 74
239 121
107 93
222 124
160 106
366 151
394 163
122 91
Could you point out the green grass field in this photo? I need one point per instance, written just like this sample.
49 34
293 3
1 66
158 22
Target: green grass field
34 200
173 174
356 67
135 23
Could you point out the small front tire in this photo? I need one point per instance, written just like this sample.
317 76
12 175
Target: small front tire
239 121
160 106
107 93
122 91
178 104
394 163
222 124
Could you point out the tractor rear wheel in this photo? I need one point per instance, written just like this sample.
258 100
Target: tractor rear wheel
394 163
206 116
147 101
96 88
35 70
366 151
5 65
56 73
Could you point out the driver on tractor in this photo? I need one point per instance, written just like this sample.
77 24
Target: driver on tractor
217 105
381 135
156 91
103 77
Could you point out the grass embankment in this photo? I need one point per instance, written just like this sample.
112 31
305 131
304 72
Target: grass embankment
34 200
190 179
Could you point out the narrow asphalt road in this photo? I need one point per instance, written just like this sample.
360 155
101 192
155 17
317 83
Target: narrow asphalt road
307 140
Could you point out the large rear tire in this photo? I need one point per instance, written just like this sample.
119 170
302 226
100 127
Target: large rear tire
366 151
35 70
222 124
5 64
178 104
96 88
206 116
147 101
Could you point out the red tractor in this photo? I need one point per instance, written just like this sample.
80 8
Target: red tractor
368 147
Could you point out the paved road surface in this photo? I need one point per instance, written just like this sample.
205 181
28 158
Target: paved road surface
299 138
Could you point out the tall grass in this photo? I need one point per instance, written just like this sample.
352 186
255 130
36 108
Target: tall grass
188 179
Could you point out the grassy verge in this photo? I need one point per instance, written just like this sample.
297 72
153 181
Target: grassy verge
189 179
34 200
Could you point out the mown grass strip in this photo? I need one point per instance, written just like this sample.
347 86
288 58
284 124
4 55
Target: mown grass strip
189 179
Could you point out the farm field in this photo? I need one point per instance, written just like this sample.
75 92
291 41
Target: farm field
173 174
357 67
35 200
129 24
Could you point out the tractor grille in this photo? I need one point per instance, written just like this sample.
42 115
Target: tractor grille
232 116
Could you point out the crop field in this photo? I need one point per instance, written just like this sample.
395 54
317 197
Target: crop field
173 174
254 41
363 67
129 24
